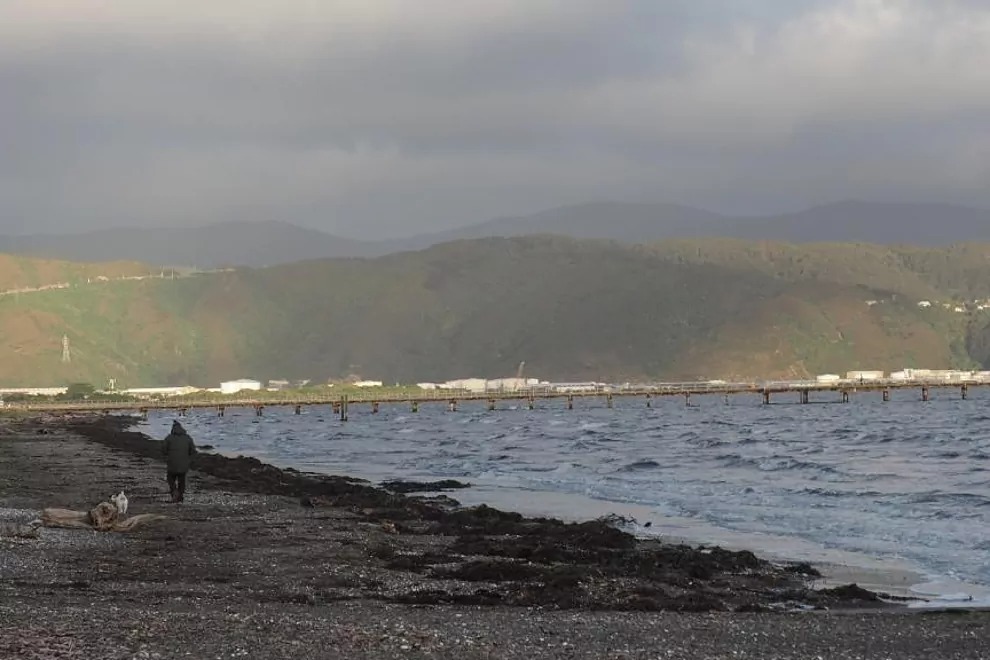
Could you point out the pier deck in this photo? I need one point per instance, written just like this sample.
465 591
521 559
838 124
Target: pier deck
340 403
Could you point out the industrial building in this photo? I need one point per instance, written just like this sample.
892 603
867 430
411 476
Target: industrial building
33 391
154 392
909 374
466 384
241 384
510 384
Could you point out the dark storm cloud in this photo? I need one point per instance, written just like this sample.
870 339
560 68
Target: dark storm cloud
396 117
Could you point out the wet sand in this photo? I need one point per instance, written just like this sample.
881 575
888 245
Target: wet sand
266 563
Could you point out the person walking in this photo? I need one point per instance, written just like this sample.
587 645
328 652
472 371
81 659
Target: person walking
177 448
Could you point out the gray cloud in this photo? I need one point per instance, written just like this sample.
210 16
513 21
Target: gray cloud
390 117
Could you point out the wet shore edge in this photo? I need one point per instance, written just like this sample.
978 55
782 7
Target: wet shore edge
504 558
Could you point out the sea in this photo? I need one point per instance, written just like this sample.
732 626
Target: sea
897 486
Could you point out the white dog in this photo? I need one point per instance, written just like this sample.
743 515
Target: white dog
120 501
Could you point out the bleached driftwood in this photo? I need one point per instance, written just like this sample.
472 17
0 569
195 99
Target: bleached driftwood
104 517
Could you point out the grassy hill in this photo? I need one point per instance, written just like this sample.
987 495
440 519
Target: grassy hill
571 309
17 272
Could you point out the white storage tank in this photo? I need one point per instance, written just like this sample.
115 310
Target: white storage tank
469 384
827 378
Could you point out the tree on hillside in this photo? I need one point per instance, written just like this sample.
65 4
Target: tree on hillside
76 391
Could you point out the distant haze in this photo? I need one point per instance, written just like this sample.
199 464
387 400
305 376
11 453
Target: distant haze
380 119
271 243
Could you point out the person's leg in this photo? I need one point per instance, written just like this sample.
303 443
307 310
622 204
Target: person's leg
182 485
172 487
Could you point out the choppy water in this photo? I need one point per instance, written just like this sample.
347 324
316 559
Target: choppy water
902 480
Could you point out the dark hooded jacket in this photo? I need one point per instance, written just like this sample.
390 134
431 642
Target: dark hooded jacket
177 448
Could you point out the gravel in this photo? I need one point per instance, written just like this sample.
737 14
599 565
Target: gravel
240 575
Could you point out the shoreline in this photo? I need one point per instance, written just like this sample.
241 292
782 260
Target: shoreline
837 567
893 576
359 564
896 581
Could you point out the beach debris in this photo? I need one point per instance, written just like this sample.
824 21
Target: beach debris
400 486
617 520
803 568
850 593
314 502
120 501
104 517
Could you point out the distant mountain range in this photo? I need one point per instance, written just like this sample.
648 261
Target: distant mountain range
271 243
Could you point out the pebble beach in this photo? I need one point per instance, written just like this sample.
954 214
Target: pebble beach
267 563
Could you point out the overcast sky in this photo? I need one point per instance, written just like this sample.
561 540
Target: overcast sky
392 117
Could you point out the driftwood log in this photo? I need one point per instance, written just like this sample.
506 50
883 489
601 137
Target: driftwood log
104 517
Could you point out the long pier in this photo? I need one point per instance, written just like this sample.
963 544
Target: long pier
340 404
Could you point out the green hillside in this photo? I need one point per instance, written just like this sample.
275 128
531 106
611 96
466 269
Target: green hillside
18 272
571 309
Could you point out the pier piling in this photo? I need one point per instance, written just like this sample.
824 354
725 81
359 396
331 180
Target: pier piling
258 408
570 402
532 403
924 393
608 399
805 396
886 394
342 406
766 397
374 407
298 409
964 391
649 401
491 404
415 406
845 396
221 411
453 405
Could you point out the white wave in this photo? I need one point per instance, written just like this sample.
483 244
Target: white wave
948 593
